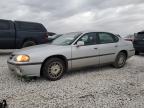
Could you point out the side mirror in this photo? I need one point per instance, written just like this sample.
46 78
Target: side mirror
80 43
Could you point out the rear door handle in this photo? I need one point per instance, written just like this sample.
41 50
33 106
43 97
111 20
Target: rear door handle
116 45
95 48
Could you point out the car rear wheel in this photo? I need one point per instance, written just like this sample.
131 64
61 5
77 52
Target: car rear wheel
53 69
28 43
120 60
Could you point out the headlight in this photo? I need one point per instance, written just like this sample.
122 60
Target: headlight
22 58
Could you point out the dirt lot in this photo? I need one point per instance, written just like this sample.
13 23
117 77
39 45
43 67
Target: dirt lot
96 87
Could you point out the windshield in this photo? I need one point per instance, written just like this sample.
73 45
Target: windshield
66 39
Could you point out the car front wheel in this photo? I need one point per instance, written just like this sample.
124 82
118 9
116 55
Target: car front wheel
120 60
54 69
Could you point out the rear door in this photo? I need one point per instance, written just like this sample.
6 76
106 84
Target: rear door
7 35
108 46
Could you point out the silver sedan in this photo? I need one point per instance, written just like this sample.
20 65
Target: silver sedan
70 51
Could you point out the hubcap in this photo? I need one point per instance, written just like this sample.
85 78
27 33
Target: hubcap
121 60
55 69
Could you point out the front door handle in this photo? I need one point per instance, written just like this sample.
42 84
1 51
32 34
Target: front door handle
95 48
116 46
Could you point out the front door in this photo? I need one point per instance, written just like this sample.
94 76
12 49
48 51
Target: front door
87 54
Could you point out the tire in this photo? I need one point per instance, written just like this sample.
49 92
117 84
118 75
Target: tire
53 69
120 60
28 43
137 52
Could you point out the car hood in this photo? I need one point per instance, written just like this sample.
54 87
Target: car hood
39 49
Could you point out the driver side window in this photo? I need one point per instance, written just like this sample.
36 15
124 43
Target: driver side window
88 39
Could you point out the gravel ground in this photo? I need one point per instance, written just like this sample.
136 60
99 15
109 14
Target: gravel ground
95 87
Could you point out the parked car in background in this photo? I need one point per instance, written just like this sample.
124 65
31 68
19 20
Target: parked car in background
129 38
139 42
70 51
51 38
19 34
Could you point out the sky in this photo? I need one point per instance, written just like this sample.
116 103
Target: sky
61 16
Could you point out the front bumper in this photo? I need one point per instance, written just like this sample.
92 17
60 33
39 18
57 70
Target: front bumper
25 69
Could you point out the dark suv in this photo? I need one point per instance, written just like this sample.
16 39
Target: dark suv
18 34
139 42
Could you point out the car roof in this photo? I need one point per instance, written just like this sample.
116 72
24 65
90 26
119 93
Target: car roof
27 22
4 20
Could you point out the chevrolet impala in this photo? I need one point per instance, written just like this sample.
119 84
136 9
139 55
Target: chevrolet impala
70 51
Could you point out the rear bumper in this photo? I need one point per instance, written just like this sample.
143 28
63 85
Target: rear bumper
25 70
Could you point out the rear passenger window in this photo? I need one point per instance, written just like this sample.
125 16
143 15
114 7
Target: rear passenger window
107 38
23 26
4 25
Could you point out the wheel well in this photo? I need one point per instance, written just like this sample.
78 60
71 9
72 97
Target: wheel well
124 51
54 56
